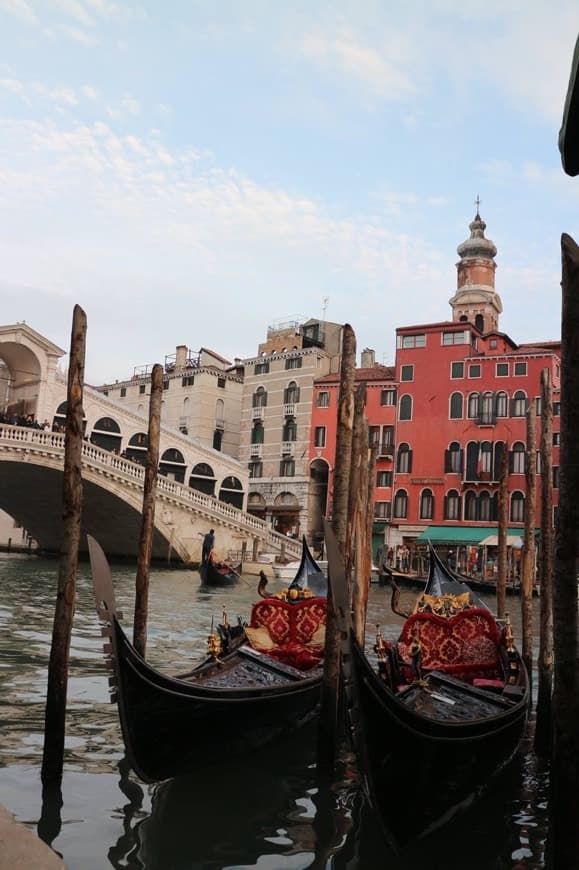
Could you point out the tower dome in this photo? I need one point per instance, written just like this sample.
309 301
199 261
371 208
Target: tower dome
476 299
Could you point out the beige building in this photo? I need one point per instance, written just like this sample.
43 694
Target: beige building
276 419
202 394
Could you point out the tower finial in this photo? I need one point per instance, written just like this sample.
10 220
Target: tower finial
477 203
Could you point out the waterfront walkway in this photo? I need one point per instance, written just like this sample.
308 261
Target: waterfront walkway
20 848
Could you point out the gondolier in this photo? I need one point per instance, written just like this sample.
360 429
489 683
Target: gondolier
208 544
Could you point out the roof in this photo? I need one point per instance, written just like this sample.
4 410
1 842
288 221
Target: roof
377 372
464 535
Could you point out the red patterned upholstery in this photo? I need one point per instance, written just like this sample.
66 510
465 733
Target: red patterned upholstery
466 645
291 627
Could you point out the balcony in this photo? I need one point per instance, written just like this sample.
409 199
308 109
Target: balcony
289 409
287 448
255 451
257 413
486 418
385 451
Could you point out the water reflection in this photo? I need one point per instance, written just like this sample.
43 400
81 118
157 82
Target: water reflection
268 811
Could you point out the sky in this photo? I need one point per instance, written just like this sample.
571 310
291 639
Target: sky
193 172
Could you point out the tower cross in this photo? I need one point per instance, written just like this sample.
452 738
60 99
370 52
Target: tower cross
477 203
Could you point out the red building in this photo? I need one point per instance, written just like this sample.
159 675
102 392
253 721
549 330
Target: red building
459 397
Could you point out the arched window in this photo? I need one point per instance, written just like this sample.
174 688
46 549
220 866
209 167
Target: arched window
231 492
260 398
499 449
202 478
517 507
472 458
220 413
452 505
186 406
473 403
257 433
172 465
487 416
405 408
518 457
494 507
426 504
106 434
479 322
453 458
292 394
137 447
404 459
501 404
456 402
486 458
401 504
484 507
290 430
470 506
519 404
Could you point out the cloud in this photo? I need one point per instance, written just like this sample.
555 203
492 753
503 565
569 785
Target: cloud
20 9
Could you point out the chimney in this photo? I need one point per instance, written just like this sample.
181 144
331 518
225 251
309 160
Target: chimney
180 356
368 360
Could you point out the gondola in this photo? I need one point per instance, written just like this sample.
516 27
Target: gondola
252 688
437 714
219 573
309 574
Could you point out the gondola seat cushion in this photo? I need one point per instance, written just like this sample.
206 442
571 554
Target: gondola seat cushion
466 645
294 629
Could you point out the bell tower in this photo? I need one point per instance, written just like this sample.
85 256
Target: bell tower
476 299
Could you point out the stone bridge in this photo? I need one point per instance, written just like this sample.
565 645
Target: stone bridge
31 469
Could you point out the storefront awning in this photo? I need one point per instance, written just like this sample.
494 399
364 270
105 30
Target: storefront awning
475 535
515 541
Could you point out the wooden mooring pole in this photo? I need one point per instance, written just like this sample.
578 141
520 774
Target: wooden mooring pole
528 558
503 532
563 843
55 715
545 663
329 733
148 518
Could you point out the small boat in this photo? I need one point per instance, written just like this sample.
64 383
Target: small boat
437 714
305 573
258 682
219 573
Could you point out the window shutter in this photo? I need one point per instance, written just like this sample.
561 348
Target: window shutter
447 462
285 396
409 461
511 461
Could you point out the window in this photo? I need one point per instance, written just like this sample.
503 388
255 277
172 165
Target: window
518 457
290 431
291 394
502 370
473 403
470 506
123 392
556 439
261 368
426 505
474 371
373 435
401 504
454 338
405 412
457 370
413 341
320 436
519 404
166 384
382 510
520 368
486 458
498 458
452 505
142 388
255 469
493 344
217 439
323 400
387 398
555 477
487 414
259 398
556 409
257 433
384 478
456 406
287 468
453 459
293 362
407 373
538 406
187 381
387 438
484 507
501 404
221 383
517 507
404 459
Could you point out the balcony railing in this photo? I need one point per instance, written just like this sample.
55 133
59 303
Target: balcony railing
289 409
257 413
255 451
386 450
287 448
486 418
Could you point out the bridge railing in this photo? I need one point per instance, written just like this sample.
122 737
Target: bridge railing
96 456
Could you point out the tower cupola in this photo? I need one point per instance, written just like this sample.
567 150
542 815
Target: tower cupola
476 299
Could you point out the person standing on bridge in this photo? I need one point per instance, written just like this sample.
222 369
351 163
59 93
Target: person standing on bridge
208 544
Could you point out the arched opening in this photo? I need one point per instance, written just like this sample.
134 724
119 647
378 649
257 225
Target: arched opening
172 465
319 480
202 478
479 322
231 492
106 434
426 504
137 448
286 514
20 375
59 419
256 504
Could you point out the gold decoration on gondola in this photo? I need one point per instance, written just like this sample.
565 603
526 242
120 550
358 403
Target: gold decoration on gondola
224 621
443 605
509 636
379 647
293 593
214 647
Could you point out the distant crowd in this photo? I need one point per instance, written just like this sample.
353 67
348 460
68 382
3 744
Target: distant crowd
30 421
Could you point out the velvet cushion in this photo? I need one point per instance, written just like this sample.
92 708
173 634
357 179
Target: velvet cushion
259 638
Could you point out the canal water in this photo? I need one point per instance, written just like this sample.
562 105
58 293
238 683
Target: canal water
265 812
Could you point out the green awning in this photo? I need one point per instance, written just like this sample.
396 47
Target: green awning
461 534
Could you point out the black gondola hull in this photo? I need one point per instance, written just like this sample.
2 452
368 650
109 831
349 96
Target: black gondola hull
212 576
